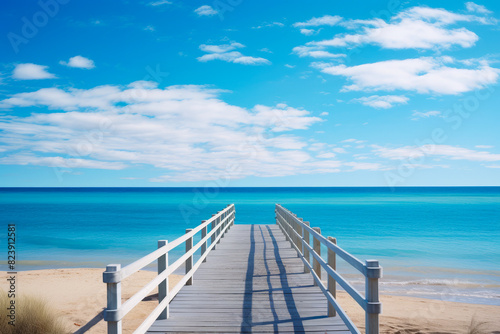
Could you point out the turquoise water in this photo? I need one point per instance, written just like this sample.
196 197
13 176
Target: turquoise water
439 243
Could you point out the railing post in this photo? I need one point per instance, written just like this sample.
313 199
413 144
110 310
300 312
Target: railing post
371 320
114 296
317 250
212 239
223 224
332 262
286 228
189 261
163 286
299 236
219 219
292 227
203 245
306 253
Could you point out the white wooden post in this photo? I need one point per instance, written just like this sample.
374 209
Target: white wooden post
299 236
332 262
114 295
371 321
163 286
189 261
223 223
295 237
292 228
305 249
218 228
286 228
203 245
212 228
317 250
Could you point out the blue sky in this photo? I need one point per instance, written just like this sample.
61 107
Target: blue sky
249 93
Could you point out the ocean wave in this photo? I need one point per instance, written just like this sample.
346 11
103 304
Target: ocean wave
441 282
451 283
476 295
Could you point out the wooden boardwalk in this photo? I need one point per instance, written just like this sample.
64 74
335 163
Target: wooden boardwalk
253 282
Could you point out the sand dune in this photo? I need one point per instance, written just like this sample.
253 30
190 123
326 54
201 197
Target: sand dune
79 296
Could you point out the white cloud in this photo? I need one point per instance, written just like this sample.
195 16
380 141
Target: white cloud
483 146
31 71
308 32
225 52
418 114
160 2
187 131
414 28
315 52
442 151
221 48
339 150
205 11
150 28
268 25
60 162
385 102
423 75
472 7
326 20
80 62
289 66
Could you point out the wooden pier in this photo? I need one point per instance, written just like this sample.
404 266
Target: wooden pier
249 279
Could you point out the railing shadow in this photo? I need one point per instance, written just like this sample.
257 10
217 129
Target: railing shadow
94 321
246 324
287 291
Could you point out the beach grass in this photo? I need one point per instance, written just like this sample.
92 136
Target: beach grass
477 327
32 315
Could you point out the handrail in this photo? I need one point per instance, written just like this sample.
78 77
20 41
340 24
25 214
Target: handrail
298 232
114 274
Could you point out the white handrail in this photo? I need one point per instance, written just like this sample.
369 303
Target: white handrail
114 274
291 225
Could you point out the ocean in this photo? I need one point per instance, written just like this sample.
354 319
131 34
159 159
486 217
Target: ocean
433 242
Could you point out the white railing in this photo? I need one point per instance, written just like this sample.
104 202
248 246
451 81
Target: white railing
114 274
298 233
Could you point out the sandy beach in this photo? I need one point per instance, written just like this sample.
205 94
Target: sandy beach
79 296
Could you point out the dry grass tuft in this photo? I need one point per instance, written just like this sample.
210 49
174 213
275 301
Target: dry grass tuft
33 315
476 327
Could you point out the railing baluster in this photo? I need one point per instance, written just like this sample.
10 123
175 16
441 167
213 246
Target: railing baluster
332 262
163 286
214 224
204 245
189 261
317 250
219 219
114 296
305 251
298 229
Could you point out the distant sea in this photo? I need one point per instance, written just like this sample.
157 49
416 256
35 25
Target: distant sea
433 242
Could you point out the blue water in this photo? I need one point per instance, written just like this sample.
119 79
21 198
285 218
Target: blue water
441 242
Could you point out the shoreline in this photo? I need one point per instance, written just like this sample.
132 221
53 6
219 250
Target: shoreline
82 311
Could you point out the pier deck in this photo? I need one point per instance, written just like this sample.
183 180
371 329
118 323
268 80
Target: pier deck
253 282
